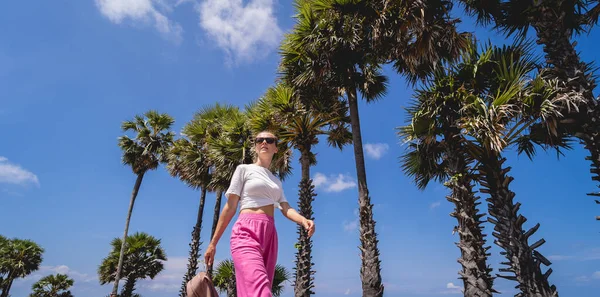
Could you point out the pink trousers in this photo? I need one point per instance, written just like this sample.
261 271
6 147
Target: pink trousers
254 253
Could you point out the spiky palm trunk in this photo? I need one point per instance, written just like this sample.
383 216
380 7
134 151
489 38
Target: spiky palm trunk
576 76
215 221
136 189
523 259
129 287
475 273
304 273
370 270
192 266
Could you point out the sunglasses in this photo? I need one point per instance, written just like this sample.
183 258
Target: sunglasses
269 140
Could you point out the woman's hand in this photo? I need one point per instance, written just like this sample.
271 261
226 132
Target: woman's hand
309 225
209 256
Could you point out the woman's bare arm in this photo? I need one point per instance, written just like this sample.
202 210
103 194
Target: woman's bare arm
226 214
294 216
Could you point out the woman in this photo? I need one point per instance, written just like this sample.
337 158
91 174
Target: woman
253 236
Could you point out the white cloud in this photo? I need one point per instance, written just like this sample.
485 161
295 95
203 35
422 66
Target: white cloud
453 286
14 174
347 292
150 11
435 205
333 183
169 280
586 278
376 150
559 257
245 32
453 289
78 277
350 226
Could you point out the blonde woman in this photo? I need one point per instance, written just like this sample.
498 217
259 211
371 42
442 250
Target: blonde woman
253 242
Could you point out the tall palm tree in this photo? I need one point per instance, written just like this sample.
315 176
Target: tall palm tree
333 52
501 100
437 152
224 279
281 110
204 127
55 285
556 23
188 161
143 153
143 258
341 44
18 259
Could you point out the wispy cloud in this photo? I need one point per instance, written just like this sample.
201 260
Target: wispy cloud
15 174
435 205
246 32
560 257
169 280
144 11
333 183
352 225
78 277
587 278
583 254
376 150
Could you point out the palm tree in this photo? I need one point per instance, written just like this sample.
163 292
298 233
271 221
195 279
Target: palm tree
556 23
204 128
224 279
18 259
188 161
340 45
437 152
143 153
281 109
333 45
53 286
143 258
499 101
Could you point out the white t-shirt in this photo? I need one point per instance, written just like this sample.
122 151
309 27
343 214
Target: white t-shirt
256 186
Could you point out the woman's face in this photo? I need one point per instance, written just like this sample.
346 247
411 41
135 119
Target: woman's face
266 143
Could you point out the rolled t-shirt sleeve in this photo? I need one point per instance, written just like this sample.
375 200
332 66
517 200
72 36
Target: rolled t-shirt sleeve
236 185
282 197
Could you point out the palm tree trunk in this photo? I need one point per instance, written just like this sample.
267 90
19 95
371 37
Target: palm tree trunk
304 273
215 221
576 76
370 271
136 188
8 283
475 272
192 266
523 260
129 287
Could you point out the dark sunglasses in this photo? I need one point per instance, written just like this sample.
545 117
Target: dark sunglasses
269 140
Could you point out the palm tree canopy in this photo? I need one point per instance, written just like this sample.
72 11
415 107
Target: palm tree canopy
282 110
151 142
224 277
53 286
493 96
20 257
143 258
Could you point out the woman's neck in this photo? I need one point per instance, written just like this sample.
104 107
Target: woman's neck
263 163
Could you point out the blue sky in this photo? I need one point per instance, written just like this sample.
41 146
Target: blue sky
72 71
